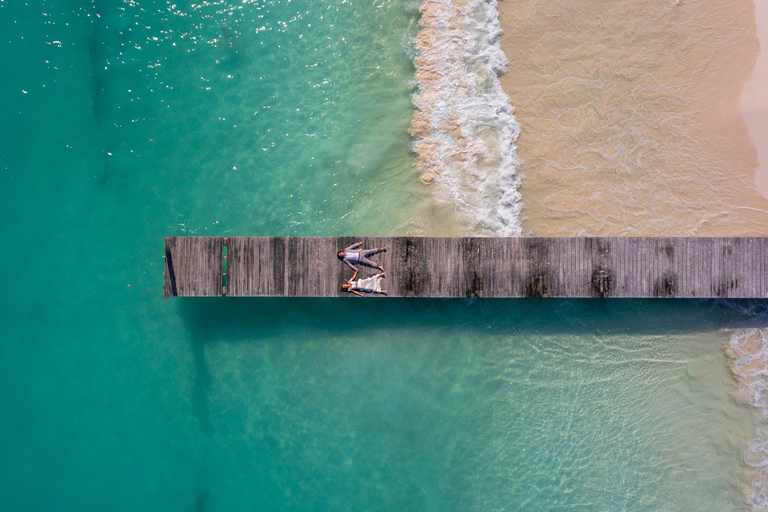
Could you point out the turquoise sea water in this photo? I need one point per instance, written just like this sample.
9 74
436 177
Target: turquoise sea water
123 122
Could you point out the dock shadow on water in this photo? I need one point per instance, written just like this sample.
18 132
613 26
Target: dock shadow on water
202 385
214 320
346 402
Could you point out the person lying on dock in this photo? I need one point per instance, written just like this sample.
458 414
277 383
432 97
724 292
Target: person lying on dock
353 254
368 285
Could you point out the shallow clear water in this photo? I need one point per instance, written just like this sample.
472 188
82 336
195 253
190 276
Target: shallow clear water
111 398
452 405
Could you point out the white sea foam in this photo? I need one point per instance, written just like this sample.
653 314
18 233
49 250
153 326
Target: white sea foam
464 126
748 350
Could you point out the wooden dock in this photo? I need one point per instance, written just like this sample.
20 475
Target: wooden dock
628 267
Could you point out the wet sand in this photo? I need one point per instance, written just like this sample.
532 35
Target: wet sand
630 116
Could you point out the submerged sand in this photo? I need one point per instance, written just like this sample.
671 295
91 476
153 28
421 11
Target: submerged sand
630 116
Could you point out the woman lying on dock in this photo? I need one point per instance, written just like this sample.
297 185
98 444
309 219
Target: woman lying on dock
368 285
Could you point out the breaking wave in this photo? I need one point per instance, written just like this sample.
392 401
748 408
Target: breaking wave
464 125
748 352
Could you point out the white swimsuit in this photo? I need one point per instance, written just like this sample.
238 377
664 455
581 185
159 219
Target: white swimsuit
369 284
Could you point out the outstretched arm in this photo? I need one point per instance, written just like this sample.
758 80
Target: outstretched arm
357 293
345 260
355 274
353 246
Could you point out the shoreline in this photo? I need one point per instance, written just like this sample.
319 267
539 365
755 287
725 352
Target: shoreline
463 127
754 100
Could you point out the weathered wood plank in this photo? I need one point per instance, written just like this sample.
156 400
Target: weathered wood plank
193 267
474 267
749 268
682 267
761 266
644 270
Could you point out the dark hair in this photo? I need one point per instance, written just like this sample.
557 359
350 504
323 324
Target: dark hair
341 287
339 255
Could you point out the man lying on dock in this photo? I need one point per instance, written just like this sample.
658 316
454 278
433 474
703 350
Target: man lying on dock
353 254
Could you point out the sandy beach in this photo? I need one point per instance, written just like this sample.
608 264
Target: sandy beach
633 119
